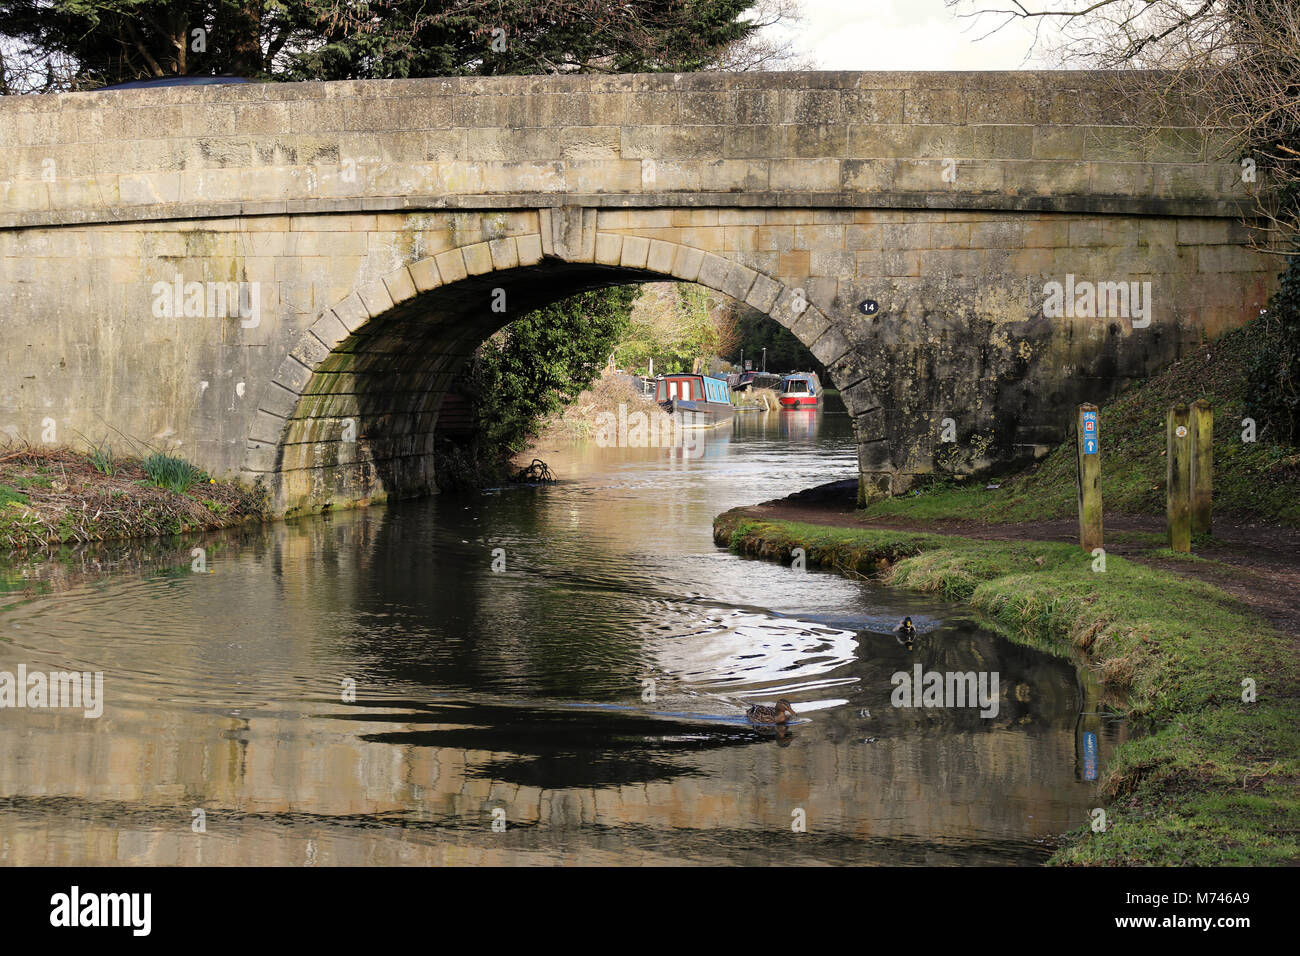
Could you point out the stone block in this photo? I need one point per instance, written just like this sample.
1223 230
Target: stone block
529 248
635 251
818 175
375 298
400 285
504 253
660 256
762 294
451 266
686 265
425 275
609 248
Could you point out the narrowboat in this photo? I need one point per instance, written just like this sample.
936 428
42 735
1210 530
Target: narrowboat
695 401
746 380
800 390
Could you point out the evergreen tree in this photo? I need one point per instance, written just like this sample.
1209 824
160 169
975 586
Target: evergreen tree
48 45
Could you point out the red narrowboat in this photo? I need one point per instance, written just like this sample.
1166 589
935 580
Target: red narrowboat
800 390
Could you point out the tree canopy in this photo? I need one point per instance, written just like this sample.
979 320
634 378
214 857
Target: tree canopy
50 45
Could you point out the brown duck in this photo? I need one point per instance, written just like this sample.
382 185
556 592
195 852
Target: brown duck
780 714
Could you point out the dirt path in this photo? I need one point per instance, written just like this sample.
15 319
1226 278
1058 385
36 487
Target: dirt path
1256 562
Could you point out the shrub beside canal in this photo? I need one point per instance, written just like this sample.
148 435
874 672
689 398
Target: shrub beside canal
1215 781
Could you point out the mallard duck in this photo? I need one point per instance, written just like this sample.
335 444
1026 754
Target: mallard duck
779 714
905 632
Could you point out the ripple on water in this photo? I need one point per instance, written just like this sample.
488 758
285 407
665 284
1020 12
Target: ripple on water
525 689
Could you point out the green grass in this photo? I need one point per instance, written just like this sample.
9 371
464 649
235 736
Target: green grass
9 495
1251 479
103 460
174 474
1217 781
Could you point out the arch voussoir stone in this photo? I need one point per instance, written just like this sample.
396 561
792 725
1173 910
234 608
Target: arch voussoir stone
504 253
660 257
478 258
809 326
636 250
608 250
310 350
830 347
293 375
451 265
278 400
786 308
400 285
330 330
529 249
762 294
740 279
687 262
352 312
714 270
425 274
268 428
375 298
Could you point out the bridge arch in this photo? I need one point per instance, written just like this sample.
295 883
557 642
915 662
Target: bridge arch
350 414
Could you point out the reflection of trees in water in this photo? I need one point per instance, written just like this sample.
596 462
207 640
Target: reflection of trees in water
60 569
409 595
1035 688
64 567
433 612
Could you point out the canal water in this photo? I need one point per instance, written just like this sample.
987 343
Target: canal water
532 675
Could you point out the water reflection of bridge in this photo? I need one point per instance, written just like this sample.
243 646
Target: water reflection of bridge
289 776
271 785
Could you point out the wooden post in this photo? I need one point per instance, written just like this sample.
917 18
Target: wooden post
1088 430
1178 478
1202 465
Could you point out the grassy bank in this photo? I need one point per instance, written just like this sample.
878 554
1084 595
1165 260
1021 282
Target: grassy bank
1216 780
54 495
1252 480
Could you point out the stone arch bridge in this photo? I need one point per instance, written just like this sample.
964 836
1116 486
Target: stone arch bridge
279 281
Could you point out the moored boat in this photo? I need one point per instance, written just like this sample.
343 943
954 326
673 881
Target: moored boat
801 390
747 380
696 401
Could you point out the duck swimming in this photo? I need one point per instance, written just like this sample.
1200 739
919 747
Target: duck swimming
780 714
905 631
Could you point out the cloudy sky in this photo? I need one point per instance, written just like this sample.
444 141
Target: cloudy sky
907 35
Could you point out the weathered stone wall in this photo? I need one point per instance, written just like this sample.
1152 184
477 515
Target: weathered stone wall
377 218
1025 140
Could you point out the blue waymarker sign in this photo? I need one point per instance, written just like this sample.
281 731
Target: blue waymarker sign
1089 755
1090 439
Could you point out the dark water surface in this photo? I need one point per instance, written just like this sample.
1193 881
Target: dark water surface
589 695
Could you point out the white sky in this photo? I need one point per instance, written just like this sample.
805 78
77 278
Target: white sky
908 35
